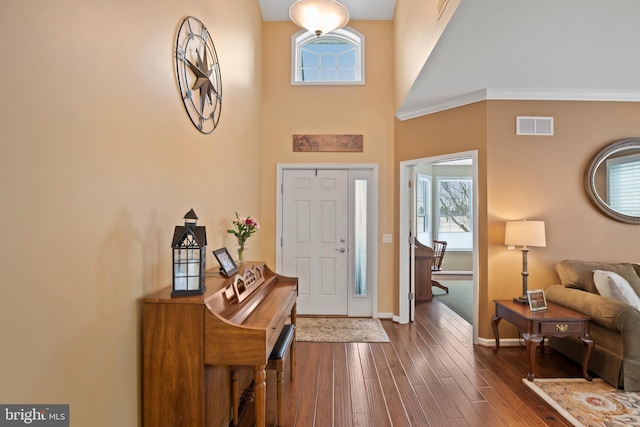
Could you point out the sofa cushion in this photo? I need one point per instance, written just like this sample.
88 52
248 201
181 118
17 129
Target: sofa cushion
579 274
612 285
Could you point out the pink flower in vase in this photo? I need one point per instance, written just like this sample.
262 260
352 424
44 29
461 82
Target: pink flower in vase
243 229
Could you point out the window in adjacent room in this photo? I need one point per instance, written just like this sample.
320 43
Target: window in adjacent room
423 209
453 211
624 175
332 59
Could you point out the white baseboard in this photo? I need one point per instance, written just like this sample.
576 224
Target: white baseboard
445 272
508 342
385 316
504 342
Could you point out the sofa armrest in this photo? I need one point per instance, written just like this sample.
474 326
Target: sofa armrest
628 321
603 311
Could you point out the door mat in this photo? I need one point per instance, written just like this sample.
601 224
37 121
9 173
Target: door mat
338 329
589 403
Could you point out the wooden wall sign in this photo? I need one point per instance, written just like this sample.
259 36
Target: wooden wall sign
343 143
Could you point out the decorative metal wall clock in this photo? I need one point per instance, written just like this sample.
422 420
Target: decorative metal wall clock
198 74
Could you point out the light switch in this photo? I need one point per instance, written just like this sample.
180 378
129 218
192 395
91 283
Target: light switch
386 238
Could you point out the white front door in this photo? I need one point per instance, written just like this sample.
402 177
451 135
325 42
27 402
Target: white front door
315 238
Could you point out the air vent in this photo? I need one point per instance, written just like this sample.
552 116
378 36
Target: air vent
534 125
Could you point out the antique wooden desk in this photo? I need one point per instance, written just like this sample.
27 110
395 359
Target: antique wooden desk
556 321
190 343
424 265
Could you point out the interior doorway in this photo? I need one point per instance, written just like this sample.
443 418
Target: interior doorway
411 172
326 229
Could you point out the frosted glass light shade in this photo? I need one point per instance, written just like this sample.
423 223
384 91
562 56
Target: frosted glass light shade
525 233
319 16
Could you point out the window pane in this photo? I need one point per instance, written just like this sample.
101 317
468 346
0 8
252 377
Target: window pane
347 60
337 55
424 209
624 184
328 61
346 75
454 213
310 75
328 75
360 248
309 59
423 201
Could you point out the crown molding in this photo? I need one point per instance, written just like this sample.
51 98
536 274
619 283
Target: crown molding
518 95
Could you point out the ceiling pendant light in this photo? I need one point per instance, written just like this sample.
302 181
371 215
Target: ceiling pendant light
319 16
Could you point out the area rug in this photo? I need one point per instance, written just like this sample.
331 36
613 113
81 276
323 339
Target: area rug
589 403
338 329
459 298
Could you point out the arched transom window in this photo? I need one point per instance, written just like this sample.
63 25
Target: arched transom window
334 58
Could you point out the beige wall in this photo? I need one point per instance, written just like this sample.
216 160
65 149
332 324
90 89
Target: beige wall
98 163
543 178
534 178
364 109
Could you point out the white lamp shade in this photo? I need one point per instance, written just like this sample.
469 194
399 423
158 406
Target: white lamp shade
319 16
525 233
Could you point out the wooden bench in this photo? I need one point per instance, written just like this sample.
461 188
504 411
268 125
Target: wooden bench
277 358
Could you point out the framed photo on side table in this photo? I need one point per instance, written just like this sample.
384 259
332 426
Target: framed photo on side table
227 267
537 300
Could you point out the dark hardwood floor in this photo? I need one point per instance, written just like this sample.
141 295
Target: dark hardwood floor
430 374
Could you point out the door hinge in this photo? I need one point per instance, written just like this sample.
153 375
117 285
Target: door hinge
281 242
410 296
410 184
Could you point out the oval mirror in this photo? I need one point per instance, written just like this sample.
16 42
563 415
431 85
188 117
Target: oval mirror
613 180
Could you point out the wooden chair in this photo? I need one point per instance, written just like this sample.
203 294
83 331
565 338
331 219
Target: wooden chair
439 248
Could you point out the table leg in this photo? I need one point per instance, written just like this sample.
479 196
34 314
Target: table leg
260 386
495 320
586 339
532 343
294 319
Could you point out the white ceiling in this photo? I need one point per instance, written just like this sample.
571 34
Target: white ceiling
583 50
359 10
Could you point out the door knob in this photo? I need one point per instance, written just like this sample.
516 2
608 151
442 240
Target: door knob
340 250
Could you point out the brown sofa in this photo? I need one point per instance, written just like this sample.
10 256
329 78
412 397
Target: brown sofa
614 326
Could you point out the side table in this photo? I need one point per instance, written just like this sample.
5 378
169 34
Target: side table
556 321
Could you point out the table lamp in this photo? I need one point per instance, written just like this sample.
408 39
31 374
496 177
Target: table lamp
524 234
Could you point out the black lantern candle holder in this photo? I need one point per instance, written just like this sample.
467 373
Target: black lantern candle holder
189 253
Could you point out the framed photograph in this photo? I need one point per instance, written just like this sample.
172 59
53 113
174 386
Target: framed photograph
537 300
227 267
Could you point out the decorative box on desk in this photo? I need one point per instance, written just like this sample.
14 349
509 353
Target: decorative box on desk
189 344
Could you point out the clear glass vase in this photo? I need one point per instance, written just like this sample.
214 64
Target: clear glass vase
240 252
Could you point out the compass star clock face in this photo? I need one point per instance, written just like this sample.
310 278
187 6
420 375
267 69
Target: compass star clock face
198 74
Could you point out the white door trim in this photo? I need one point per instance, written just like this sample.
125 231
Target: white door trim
406 169
280 167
